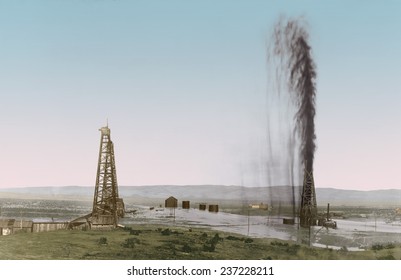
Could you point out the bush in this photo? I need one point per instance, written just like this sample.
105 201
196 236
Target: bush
209 247
389 246
167 232
234 238
102 241
134 232
187 249
377 247
130 242
127 228
388 257
278 243
216 238
248 240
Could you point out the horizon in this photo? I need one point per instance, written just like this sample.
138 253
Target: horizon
183 86
196 185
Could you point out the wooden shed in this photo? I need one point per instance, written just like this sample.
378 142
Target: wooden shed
259 206
171 202
23 226
202 206
49 226
289 221
213 208
6 226
185 204
10 226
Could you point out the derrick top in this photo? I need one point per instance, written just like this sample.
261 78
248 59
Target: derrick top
105 130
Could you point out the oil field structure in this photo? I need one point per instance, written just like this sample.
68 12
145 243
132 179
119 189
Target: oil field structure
294 72
308 211
108 207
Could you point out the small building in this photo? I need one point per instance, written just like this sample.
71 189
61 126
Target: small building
49 226
171 202
22 226
185 204
213 208
11 226
202 206
259 206
6 226
289 221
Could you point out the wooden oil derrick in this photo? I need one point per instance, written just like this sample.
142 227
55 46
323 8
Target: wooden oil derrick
308 211
107 206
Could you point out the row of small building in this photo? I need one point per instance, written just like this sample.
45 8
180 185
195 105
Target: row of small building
11 226
172 202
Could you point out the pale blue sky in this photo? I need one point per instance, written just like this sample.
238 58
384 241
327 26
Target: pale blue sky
183 84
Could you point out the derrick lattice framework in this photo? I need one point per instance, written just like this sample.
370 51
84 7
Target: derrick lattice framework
107 206
308 211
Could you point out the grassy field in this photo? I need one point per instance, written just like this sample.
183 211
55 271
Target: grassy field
162 243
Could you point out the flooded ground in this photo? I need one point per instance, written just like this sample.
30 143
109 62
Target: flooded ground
356 234
353 234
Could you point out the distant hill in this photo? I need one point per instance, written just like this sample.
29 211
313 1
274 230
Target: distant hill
216 193
359 198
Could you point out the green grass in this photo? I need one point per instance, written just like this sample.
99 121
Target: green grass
162 243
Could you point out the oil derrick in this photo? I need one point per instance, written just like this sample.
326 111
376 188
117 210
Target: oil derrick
107 206
308 212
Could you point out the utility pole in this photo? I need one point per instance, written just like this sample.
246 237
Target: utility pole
375 221
248 221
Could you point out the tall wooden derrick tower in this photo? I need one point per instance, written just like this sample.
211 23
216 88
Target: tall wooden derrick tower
308 212
107 206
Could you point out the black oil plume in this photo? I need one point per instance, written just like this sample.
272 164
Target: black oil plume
291 106
292 47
